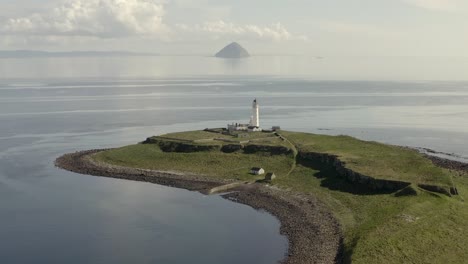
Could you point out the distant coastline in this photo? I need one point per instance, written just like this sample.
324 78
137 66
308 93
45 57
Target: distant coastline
68 54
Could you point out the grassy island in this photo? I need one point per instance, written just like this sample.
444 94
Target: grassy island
394 204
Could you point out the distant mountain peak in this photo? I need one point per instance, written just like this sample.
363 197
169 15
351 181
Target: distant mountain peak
233 51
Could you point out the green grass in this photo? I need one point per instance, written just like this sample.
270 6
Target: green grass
374 159
382 228
269 141
214 163
195 135
378 227
201 134
201 137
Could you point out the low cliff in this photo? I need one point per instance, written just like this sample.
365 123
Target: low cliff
273 150
182 147
187 147
369 181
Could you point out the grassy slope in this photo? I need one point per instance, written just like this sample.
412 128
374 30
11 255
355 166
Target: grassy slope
257 138
374 159
201 134
379 228
382 228
195 135
215 163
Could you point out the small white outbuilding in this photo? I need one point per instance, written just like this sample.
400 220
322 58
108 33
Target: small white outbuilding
257 171
270 176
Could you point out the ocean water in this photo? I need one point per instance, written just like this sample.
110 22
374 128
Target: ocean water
53 106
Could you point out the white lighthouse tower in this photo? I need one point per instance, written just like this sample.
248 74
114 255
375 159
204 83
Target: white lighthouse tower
255 120
252 126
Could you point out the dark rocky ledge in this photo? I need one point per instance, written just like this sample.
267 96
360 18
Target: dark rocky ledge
171 145
313 233
352 176
181 147
381 184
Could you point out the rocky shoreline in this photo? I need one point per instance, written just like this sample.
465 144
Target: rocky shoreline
313 233
448 164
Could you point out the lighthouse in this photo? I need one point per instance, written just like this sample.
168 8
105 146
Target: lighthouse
252 126
255 120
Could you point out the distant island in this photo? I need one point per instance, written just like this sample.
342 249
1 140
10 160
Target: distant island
339 199
233 51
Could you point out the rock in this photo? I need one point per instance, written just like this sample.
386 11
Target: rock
453 191
233 51
352 176
408 191
231 148
173 146
434 188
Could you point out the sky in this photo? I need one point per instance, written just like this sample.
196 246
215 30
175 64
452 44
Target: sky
264 27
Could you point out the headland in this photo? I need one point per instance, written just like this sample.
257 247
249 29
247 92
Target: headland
339 199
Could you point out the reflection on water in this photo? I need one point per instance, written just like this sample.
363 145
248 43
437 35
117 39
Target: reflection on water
436 109
54 216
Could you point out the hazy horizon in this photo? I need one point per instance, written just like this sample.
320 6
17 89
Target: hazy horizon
352 40
332 28
302 67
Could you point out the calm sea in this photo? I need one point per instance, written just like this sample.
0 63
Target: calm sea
53 106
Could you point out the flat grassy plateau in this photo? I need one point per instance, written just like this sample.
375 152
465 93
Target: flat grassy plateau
379 226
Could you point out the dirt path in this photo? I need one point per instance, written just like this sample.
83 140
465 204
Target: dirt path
294 149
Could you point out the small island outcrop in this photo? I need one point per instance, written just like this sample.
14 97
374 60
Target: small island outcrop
233 51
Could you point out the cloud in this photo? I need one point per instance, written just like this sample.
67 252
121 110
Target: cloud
80 22
438 5
220 29
96 18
